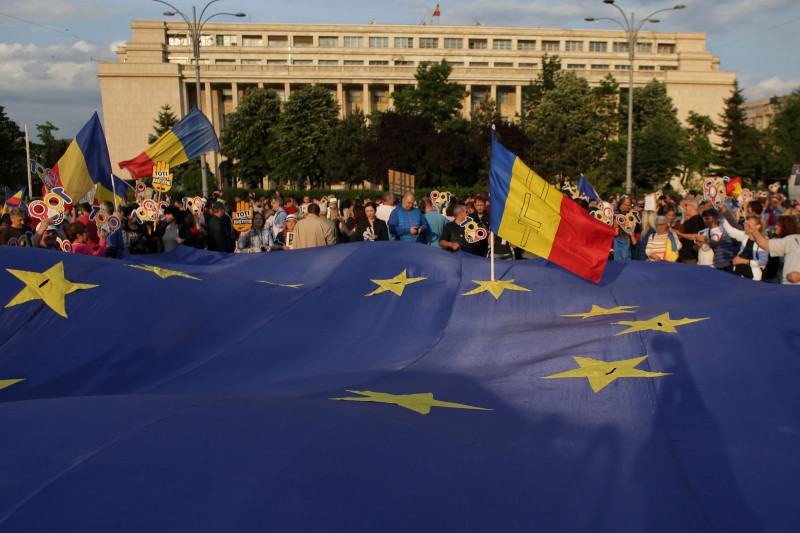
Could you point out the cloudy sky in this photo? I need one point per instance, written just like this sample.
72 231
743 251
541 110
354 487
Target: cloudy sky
50 49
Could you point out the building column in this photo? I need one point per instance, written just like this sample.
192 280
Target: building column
518 102
493 95
235 89
340 99
389 98
287 91
365 107
261 85
468 103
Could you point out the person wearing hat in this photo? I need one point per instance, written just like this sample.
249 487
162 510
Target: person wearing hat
46 235
285 239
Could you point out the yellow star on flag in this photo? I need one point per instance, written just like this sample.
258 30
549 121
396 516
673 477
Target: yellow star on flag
599 311
281 284
395 284
660 323
8 382
49 286
421 403
164 273
601 373
495 287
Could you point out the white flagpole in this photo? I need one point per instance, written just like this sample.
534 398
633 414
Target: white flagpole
491 250
28 162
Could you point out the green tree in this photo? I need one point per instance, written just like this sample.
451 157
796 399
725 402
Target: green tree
547 79
784 134
486 112
698 153
165 120
567 136
343 154
302 130
434 97
250 134
740 151
12 152
50 150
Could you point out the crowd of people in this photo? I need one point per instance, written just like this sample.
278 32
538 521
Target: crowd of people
760 241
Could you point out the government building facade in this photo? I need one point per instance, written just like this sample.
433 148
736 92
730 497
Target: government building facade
362 65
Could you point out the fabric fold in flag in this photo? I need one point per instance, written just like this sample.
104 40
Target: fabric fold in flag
105 189
528 212
193 136
584 187
85 162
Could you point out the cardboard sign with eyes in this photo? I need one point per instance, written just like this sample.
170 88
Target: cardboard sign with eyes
51 206
629 221
604 213
575 194
441 199
48 177
775 187
104 221
143 192
149 211
472 231
714 190
195 205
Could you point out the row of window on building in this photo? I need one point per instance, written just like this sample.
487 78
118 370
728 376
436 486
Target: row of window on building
450 43
403 63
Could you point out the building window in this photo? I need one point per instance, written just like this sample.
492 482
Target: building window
621 47
666 48
573 46
276 61
226 40
379 42
178 60
378 63
252 40
550 46
524 44
599 67
456 63
503 97
207 40
668 67
353 42
527 65
576 66
453 43
598 46
280 41
479 64
353 62
504 64
644 48
404 42
224 61
178 40
328 42
302 62
404 63
646 67
251 61
303 41
379 95
501 44
622 67
328 62
428 42
478 44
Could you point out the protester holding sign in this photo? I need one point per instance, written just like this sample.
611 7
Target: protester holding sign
256 239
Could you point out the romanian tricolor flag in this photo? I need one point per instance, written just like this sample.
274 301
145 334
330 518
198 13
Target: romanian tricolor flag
85 162
114 193
191 137
528 212
436 12
14 200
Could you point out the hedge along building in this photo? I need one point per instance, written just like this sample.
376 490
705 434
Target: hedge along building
362 65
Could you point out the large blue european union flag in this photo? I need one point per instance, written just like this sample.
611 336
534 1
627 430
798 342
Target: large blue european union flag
392 387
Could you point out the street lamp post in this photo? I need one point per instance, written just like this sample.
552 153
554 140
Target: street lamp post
195 27
632 30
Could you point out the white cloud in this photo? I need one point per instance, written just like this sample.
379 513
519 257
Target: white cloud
773 86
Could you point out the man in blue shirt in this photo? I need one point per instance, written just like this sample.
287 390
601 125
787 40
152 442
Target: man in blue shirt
435 220
407 223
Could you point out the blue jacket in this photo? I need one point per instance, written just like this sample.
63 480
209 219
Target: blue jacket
401 221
